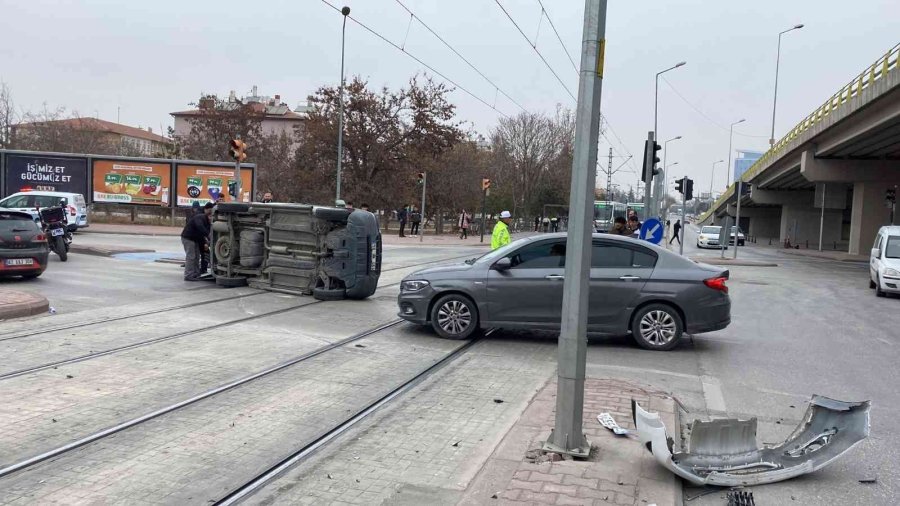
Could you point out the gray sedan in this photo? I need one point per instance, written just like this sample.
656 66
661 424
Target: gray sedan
636 288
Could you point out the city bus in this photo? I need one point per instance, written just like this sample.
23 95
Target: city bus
605 213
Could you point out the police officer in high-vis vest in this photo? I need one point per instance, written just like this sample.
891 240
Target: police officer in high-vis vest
500 236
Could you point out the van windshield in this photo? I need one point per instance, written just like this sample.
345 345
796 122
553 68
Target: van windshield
893 247
710 230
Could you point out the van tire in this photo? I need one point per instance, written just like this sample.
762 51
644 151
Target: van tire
226 282
329 294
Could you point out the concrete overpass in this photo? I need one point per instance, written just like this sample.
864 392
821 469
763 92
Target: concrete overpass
843 157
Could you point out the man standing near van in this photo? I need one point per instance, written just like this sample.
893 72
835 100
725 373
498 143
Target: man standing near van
195 239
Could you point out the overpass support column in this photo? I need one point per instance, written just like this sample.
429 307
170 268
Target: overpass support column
801 225
869 213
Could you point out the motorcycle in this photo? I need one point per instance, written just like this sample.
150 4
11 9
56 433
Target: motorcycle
55 226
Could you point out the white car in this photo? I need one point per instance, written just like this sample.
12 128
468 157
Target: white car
30 201
740 236
884 262
709 237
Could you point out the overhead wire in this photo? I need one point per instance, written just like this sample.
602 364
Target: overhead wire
463 58
701 113
545 13
420 61
534 47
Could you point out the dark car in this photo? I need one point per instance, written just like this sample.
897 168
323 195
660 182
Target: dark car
636 288
23 247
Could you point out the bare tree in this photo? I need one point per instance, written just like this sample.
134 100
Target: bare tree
217 122
54 130
7 112
532 160
276 166
388 137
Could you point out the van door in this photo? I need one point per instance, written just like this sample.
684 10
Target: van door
875 257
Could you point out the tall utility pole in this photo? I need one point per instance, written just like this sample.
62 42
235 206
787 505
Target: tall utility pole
340 154
775 94
609 173
568 435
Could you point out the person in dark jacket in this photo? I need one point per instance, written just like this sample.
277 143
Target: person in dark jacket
402 215
194 238
415 218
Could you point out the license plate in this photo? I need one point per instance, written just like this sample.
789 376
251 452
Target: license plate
19 261
57 231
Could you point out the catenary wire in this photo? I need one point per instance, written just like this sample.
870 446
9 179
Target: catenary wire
701 113
547 15
417 59
457 53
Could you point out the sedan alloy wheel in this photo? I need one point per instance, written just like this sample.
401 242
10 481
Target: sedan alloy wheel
454 317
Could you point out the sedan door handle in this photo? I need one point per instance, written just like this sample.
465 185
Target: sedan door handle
554 277
629 278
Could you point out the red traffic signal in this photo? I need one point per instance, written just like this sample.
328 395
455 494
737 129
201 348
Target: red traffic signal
237 150
420 178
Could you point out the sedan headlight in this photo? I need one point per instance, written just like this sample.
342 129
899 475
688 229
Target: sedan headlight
702 237
413 286
892 272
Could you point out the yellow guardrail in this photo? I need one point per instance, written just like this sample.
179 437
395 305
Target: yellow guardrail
889 62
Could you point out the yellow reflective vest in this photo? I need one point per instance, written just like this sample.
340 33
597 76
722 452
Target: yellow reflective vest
500 236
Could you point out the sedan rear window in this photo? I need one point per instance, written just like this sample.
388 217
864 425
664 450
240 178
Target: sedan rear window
16 222
605 256
893 247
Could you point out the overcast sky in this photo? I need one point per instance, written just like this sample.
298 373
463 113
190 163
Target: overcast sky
152 58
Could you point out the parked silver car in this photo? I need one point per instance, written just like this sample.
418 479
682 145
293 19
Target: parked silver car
636 288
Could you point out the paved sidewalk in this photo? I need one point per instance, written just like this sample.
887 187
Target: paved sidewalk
15 304
839 256
619 470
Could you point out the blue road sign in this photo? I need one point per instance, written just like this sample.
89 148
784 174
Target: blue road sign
652 230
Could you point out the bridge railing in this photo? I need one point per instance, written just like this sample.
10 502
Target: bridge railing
889 62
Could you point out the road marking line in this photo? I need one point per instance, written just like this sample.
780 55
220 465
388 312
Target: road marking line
644 371
712 393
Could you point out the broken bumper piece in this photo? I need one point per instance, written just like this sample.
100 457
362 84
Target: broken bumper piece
724 452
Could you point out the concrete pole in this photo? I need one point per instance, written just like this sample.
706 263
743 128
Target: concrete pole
737 217
822 218
340 153
568 435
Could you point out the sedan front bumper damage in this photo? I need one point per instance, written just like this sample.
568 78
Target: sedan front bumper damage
724 452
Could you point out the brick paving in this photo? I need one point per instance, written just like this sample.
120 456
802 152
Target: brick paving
16 304
619 470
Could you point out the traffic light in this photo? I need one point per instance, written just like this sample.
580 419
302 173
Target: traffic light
420 179
688 189
650 160
485 184
232 190
679 185
237 150
891 195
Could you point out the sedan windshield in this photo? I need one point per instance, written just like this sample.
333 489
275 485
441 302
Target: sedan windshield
498 253
893 247
710 230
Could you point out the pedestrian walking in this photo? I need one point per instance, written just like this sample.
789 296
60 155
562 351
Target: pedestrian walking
500 235
554 224
677 229
463 224
537 223
415 218
546 223
402 216
194 239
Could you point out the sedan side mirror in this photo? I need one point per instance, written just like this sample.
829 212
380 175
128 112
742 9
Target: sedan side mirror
876 252
503 264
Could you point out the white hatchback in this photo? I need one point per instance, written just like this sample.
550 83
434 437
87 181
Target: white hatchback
29 202
709 237
884 262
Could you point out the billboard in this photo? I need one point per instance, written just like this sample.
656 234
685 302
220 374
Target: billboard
206 183
131 182
45 173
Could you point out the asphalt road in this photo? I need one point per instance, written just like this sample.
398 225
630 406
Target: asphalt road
808 326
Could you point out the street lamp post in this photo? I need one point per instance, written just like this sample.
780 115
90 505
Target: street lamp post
777 62
665 155
712 176
340 152
737 189
649 198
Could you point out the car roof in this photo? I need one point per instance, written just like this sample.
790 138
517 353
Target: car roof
891 229
23 214
46 193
